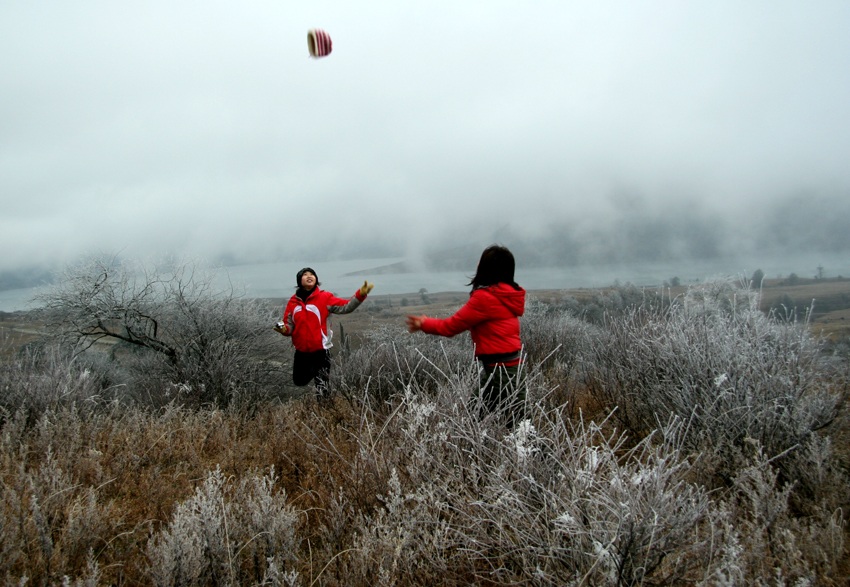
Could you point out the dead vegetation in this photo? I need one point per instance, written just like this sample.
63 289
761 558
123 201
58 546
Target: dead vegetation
629 470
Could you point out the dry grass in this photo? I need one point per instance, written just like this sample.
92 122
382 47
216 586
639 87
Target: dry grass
408 487
15 332
833 325
106 486
140 466
828 299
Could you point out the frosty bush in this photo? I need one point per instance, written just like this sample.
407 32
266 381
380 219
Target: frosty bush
48 377
559 345
548 503
166 325
225 536
418 490
399 479
615 301
50 523
714 360
390 358
557 501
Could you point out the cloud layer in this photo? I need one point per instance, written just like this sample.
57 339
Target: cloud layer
206 129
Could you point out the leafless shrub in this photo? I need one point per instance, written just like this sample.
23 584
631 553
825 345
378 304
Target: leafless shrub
560 345
615 301
718 363
561 337
400 479
166 324
92 577
422 490
559 502
763 542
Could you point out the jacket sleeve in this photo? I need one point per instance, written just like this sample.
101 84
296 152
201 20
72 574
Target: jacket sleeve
470 314
288 319
342 306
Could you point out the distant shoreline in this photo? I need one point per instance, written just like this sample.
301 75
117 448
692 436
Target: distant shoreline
391 269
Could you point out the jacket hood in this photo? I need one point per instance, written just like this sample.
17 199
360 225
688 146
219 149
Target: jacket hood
511 298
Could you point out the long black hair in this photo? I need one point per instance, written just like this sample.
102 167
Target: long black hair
496 265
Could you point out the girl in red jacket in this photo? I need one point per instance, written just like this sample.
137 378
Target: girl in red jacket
492 317
306 320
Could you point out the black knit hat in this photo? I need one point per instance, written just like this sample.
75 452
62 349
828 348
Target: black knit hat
301 274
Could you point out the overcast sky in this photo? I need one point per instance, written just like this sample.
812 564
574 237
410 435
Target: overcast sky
205 128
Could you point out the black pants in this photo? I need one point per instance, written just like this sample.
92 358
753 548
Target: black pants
503 391
309 366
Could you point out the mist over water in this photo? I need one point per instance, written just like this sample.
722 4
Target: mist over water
277 280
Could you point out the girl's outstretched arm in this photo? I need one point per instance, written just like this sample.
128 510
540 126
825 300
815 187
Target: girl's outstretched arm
414 323
338 305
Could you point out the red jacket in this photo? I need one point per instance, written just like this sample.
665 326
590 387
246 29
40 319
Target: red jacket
307 321
492 317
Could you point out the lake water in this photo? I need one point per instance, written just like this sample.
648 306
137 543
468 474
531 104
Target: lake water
277 280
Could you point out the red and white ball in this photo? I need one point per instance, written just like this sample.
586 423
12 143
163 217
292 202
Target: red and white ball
319 43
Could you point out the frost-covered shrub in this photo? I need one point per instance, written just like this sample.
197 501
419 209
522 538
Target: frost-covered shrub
419 489
555 344
763 542
713 359
556 335
167 323
616 301
546 503
553 501
390 358
559 345
46 377
223 535
400 480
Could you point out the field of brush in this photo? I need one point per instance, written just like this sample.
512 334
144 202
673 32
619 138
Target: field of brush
686 436
827 300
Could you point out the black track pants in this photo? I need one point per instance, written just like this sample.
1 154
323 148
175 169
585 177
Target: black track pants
309 366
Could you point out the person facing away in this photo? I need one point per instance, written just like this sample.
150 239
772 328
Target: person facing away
306 319
491 315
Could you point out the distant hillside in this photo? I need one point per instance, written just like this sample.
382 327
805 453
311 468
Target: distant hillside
22 278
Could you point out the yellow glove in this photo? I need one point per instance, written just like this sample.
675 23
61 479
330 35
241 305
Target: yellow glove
282 327
366 288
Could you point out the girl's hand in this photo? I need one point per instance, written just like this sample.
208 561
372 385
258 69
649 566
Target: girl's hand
366 288
414 323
